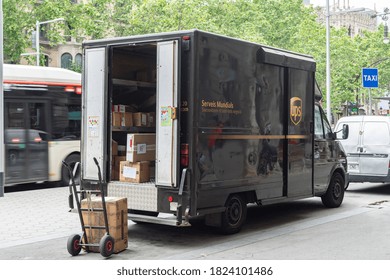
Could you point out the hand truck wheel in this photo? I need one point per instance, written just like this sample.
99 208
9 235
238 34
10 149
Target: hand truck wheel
73 245
106 245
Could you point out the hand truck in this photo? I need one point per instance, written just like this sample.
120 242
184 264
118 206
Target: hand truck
76 241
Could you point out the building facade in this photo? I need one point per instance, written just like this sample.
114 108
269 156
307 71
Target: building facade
355 20
65 55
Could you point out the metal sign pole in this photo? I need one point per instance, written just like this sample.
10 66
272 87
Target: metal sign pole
369 102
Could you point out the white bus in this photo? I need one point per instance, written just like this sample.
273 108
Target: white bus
42 123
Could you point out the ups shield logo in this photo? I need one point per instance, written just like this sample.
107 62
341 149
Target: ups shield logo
296 110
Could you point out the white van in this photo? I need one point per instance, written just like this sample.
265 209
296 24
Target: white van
367 147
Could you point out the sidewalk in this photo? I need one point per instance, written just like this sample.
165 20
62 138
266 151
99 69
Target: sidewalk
37 215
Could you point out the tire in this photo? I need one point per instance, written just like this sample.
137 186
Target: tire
234 216
73 244
335 194
65 176
106 245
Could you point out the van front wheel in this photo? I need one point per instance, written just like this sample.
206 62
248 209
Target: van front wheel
335 194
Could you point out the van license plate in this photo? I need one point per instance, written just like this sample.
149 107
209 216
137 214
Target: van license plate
353 167
173 206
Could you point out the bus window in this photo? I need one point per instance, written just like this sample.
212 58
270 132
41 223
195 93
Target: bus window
37 116
66 121
15 115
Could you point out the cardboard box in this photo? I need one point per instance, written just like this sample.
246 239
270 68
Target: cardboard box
151 119
140 119
152 169
141 147
122 119
121 150
117 221
134 172
121 108
114 148
116 160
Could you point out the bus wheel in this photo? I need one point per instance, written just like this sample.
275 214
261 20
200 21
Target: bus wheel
71 161
335 194
234 215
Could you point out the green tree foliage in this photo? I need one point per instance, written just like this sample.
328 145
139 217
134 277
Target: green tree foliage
284 24
17 29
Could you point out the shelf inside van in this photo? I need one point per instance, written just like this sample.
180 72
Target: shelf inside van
134 129
121 82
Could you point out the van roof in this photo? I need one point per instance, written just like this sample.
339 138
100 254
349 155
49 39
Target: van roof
360 118
266 54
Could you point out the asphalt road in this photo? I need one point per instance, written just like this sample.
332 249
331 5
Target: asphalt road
300 230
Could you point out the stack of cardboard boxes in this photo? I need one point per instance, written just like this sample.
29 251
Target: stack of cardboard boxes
140 157
118 155
136 165
133 162
124 116
144 119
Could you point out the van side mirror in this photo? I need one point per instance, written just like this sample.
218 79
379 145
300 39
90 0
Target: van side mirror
344 130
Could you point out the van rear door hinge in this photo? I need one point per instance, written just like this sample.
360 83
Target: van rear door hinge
173 113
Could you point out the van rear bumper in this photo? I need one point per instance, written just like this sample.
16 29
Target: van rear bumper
369 179
347 179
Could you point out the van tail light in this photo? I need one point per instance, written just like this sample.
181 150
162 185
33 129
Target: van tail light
184 155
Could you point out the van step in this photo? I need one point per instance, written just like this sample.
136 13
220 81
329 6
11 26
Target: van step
168 220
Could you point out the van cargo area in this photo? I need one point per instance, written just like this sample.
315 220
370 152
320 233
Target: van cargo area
132 87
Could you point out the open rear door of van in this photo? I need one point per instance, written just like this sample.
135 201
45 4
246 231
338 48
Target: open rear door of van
94 113
166 119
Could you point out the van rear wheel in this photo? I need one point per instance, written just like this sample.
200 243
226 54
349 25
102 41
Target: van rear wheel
335 194
234 216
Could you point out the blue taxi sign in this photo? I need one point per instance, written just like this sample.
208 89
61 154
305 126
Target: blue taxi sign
370 77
